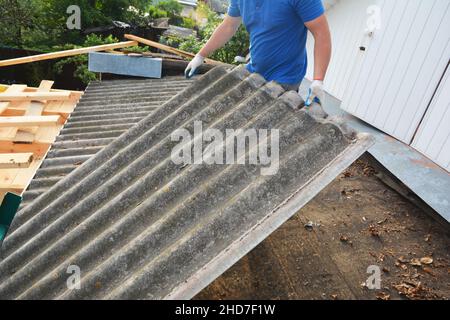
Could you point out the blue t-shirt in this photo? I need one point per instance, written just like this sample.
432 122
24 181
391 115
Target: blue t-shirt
277 35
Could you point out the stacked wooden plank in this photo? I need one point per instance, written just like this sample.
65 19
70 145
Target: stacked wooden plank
30 121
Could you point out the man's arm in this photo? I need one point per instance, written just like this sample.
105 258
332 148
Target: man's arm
322 47
224 32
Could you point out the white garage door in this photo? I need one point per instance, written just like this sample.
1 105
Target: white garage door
402 66
433 137
391 83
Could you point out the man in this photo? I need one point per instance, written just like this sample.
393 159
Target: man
278 32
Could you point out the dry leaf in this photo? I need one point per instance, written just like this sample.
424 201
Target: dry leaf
402 259
383 296
414 291
416 262
426 260
429 271
374 231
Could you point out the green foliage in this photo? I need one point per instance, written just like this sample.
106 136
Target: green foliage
237 46
189 23
167 9
172 7
17 18
157 13
80 62
95 40
97 13
41 25
137 49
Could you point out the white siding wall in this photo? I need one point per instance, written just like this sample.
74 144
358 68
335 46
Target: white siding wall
347 19
433 137
402 67
391 84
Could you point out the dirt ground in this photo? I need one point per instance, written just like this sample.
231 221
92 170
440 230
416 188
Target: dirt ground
324 251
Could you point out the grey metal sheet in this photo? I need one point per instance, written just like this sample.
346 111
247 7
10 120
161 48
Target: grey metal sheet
125 65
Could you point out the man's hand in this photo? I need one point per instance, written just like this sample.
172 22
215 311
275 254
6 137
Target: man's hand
315 92
194 65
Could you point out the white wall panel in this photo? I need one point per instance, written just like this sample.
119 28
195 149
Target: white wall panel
391 61
433 137
412 86
429 70
347 19
390 84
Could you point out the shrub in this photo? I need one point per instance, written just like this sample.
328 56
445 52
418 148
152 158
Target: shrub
167 9
237 46
80 62
189 23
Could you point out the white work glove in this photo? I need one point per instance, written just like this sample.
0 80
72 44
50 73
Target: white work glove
194 65
315 93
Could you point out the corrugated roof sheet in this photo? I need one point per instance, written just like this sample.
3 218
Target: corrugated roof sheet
141 227
106 111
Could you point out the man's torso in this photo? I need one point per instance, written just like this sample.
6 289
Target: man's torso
278 38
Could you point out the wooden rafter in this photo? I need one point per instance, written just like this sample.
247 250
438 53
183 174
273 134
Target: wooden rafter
35 96
34 108
15 160
29 121
14 89
169 49
66 53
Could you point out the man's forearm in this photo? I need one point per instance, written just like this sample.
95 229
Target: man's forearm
322 46
322 55
224 32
